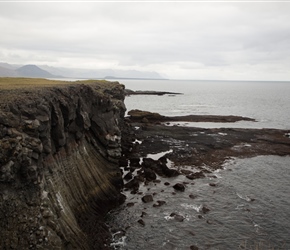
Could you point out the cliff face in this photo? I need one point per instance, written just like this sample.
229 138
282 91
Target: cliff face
58 164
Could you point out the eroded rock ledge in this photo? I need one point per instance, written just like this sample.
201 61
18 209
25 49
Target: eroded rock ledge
167 151
137 115
58 163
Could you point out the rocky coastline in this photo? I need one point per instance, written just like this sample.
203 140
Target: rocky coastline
156 155
60 144
194 146
68 155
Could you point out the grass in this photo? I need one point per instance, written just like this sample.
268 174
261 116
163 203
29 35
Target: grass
10 83
14 88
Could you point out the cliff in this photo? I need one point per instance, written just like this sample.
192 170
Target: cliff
60 143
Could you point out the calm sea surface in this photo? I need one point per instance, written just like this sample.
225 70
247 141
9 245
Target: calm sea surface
267 102
250 204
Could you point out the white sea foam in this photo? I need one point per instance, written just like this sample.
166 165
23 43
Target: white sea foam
197 208
120 243
158 155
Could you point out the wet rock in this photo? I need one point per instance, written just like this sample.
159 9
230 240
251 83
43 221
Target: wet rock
196 175
159 203
134 162
128 176
123 162
143 214
148 162
168 172
179 187
133 184
141 222
177 217
205 209
139 178
186 172
147 198
149 174
192 196
139 115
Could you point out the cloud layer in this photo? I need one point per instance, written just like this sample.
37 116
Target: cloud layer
213 40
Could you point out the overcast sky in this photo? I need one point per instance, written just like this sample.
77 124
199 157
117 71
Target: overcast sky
179 40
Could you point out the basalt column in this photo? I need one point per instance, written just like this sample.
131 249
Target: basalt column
59 170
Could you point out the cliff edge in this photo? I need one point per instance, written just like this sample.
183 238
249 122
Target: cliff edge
60 144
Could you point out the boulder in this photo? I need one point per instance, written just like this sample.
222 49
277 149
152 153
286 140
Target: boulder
147 198
179 187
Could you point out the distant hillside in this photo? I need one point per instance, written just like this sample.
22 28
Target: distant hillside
7 72
44 71
102 73
33 71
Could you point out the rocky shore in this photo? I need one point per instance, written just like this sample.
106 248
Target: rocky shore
67 153
155 156
129 92
188 147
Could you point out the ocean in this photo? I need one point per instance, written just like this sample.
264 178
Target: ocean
249 207
267 102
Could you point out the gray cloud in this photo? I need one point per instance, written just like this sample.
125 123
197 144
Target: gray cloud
222 40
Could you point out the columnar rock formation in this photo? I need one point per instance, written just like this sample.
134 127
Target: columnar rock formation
59 164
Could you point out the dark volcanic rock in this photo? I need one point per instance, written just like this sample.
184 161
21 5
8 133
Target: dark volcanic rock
128 176
159 203
177 217
196 175
205 209
60 147
149 174
147 198
133 184
140 221
138 115
179 187
149 92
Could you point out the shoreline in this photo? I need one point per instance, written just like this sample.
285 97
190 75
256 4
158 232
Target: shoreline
161 163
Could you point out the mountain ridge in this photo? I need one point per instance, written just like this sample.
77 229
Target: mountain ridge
45 71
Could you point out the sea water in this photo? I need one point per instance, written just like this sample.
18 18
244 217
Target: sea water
267 102
250 199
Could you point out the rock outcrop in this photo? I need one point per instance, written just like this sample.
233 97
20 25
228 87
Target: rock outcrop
136 115
59 169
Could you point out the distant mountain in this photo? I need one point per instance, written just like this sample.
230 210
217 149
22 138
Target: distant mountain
7 72
44 71
33 71
9 66
101 73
